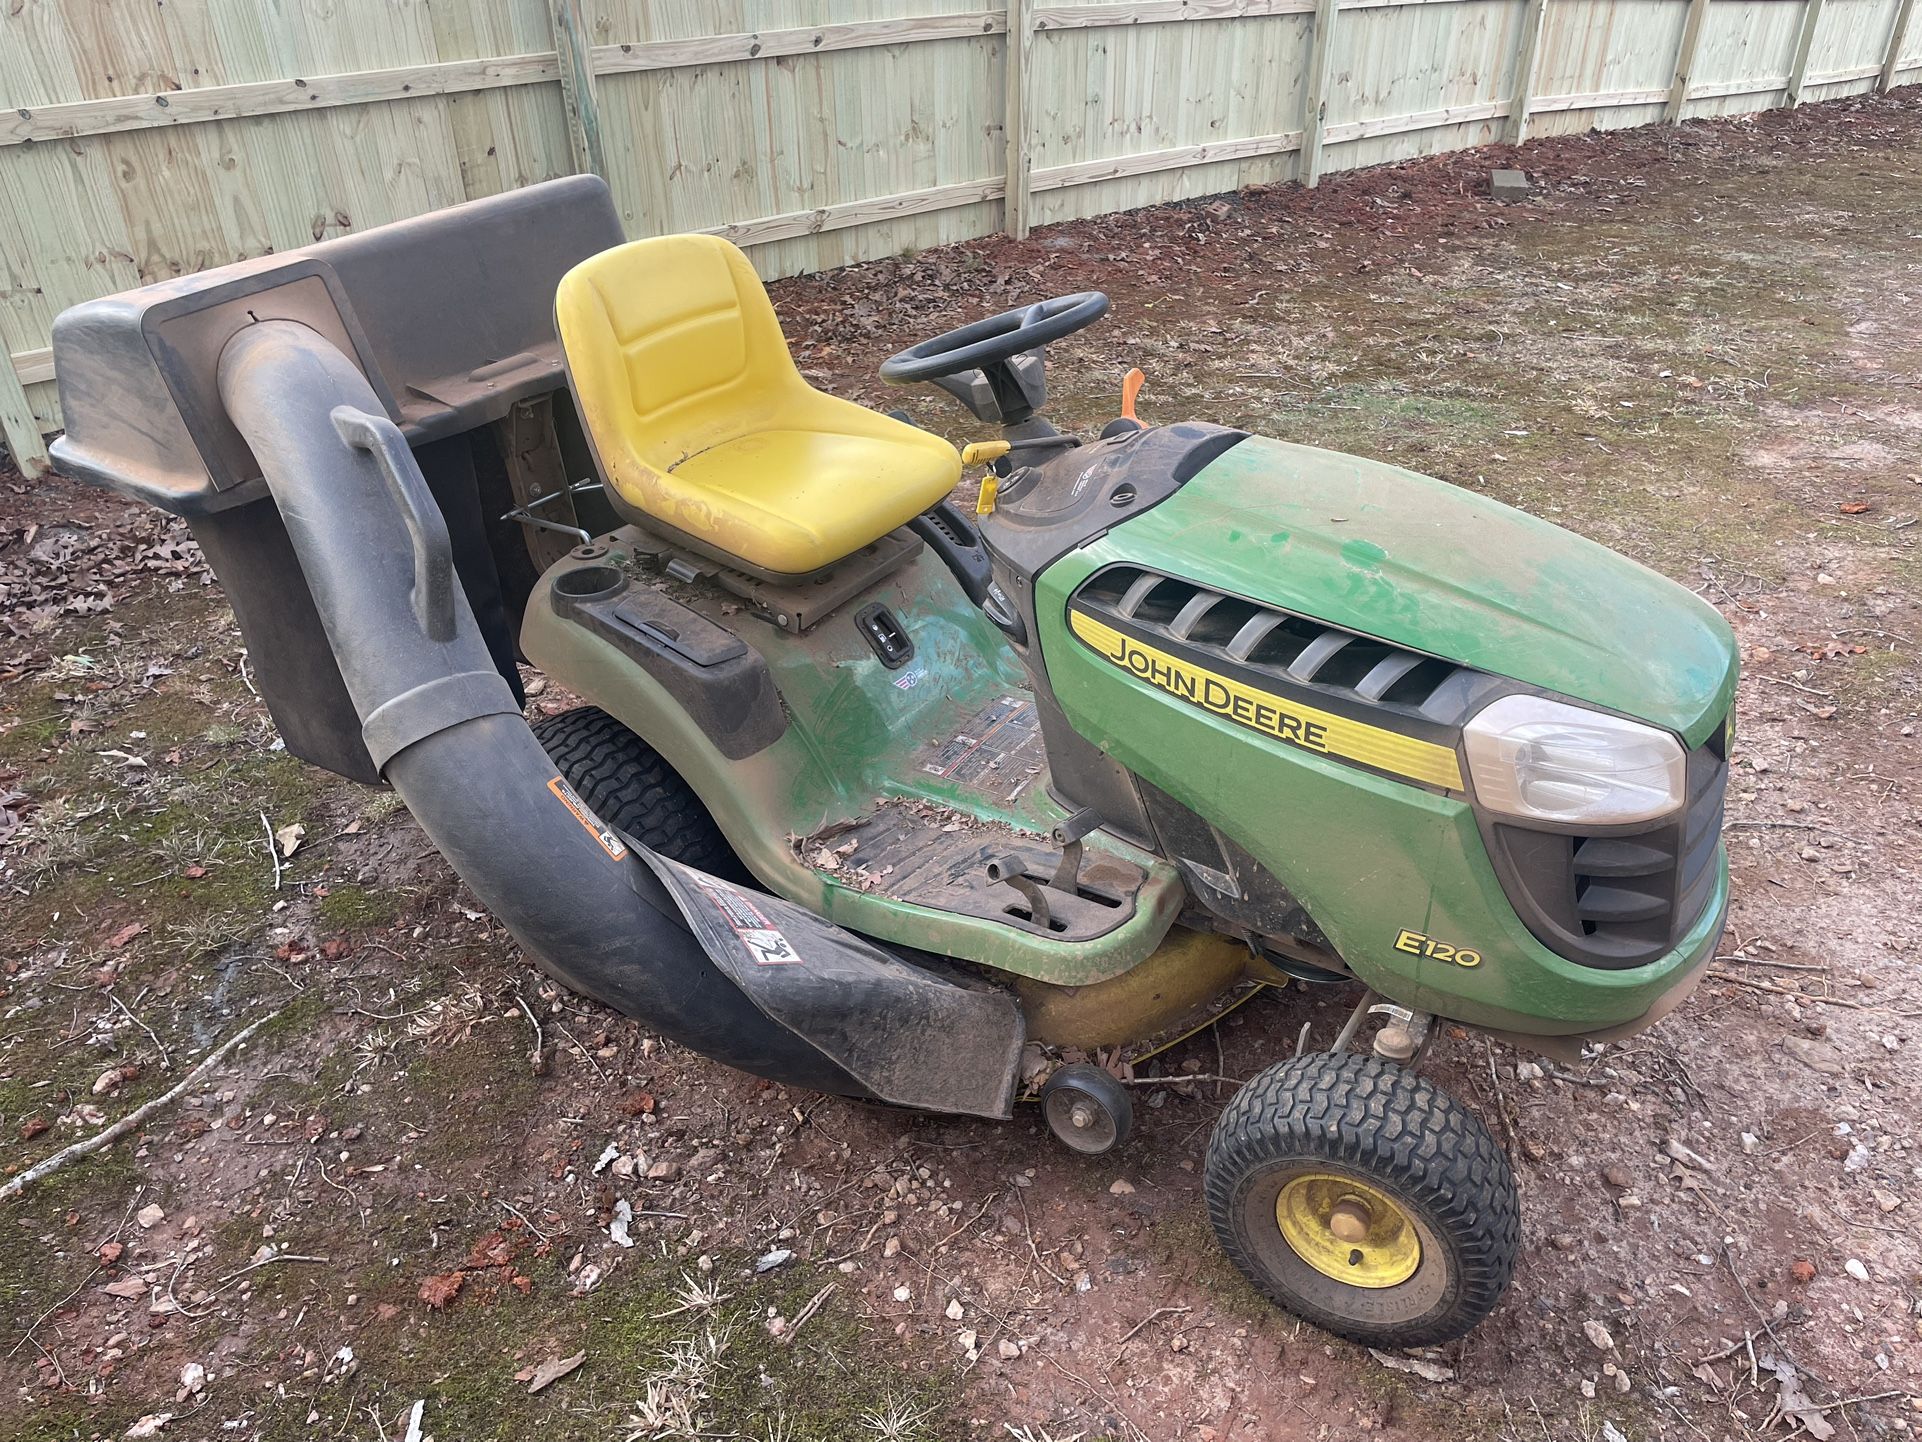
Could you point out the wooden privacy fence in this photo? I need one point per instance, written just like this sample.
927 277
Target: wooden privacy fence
141 139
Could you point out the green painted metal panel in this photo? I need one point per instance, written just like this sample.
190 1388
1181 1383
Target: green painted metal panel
854 731
1413 560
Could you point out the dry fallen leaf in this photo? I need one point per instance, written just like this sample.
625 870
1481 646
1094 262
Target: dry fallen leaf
552 1370
289 837
1856 508
437 1292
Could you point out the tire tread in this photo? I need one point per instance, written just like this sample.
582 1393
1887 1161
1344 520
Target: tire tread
630 786
1382 1121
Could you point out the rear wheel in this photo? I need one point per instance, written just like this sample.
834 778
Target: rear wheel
1363 1199
631 788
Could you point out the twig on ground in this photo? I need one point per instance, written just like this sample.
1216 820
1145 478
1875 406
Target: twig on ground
1095 1392
1154 1316
165 1064
1795 995
268 1262
812 1306
132 1119
537 1060
1776 965
523 1216
27 1336
1730 1350
1027 1228
1798 686
1175 1081
941 1245
273 847
1501 1097
586 1055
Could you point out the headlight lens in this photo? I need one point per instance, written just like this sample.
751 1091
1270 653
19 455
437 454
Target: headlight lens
1542 759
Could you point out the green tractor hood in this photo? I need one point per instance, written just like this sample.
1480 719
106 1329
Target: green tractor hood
1389 553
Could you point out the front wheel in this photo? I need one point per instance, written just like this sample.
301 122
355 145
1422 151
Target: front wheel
1362 1199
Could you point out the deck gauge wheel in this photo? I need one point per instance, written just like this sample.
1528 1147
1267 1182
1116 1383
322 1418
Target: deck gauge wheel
1087 1109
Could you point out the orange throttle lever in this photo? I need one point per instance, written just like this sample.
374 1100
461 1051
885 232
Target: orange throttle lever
1131 385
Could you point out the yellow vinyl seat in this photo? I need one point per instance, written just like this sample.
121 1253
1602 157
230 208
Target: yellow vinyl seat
703 426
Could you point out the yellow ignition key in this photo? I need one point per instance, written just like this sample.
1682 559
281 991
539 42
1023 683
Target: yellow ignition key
982 453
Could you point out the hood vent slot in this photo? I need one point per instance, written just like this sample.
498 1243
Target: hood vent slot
1258 637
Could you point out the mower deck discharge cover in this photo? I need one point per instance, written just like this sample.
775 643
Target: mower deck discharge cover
908 1036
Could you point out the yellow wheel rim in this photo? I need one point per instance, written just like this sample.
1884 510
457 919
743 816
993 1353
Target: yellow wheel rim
1348 1231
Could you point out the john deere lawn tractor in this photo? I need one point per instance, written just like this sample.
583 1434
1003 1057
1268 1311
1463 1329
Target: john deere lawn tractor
935 805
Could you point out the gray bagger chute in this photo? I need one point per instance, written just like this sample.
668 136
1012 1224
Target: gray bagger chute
744 978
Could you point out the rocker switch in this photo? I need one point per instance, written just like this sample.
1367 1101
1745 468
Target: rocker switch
885 636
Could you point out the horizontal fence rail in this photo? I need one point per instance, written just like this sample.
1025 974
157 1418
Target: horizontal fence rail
172 142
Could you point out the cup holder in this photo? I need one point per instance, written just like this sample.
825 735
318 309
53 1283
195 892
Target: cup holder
585 584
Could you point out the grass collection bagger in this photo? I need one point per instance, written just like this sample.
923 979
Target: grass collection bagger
886 798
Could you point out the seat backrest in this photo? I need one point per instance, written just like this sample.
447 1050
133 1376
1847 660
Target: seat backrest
672 347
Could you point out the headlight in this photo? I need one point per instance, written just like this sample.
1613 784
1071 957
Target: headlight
1542 759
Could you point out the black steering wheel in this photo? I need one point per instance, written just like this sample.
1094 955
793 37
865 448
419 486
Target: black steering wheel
998 338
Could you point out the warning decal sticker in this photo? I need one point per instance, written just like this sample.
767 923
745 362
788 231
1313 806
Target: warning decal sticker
605 835
764 941
998 744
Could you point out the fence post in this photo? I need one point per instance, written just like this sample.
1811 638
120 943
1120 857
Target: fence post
1020 158
576 58
1685 59
17 426
1804 43
1534 18
1898 38
1321 60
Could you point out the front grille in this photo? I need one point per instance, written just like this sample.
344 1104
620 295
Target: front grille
1625 898
1270 642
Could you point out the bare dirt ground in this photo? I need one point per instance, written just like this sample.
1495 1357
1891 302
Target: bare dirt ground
1701 346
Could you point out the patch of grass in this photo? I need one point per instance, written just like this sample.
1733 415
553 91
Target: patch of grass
484 1089
349 907
1879 676
655 1366
42 1258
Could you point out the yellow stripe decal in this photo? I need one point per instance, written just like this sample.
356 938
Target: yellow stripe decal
1276 716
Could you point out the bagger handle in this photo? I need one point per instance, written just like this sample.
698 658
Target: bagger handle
433 594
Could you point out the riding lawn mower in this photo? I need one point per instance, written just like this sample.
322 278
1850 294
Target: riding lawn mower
943 806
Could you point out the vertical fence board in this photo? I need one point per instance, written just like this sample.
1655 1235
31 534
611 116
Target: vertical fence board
1804 48
1528 59
1017 123
18 428
1898 37
1685 60
571 43
1321 62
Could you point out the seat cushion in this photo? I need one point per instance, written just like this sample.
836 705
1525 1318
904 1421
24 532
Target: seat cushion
794 501
701 421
